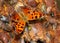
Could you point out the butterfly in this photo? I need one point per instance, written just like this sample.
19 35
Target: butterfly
28 14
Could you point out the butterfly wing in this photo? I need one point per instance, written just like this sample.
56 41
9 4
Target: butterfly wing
32 15
19 22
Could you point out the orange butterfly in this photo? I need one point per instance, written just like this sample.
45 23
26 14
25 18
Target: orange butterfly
20 25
